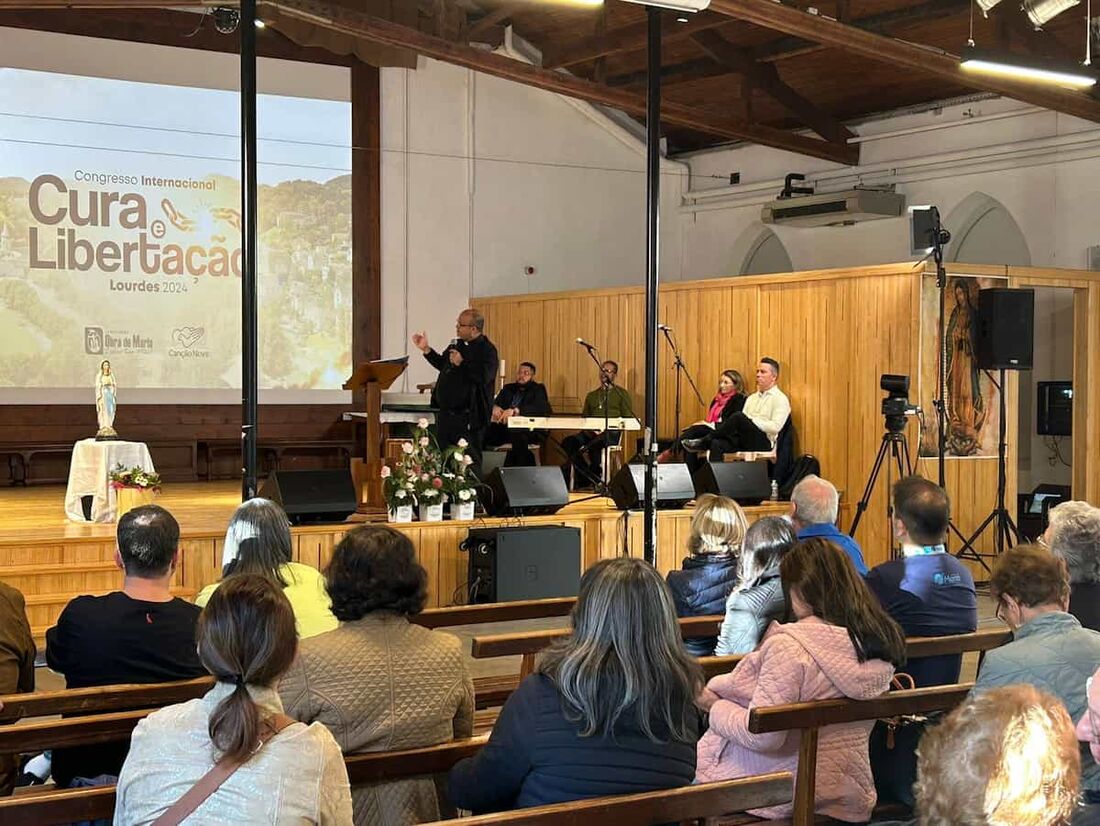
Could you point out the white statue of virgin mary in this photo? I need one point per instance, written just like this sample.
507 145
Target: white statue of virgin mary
105 403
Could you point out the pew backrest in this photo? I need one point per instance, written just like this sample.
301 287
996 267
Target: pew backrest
494 612
688 803
809 718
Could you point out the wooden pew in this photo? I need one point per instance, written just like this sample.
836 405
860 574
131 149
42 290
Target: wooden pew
489 691
809 718
69 805
689 803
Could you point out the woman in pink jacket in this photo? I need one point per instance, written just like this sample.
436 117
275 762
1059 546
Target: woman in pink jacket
842 644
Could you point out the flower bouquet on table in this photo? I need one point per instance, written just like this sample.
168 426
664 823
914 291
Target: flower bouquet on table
458 482
414 480
133 487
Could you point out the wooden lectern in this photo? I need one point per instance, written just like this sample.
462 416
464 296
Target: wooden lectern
373 377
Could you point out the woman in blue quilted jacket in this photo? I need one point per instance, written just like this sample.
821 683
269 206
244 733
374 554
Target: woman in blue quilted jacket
709 573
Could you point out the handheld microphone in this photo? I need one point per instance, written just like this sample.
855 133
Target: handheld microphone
585 344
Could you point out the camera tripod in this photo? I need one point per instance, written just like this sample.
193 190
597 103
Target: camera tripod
896 445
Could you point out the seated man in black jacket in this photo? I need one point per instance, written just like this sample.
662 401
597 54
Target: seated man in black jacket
463 392
523 397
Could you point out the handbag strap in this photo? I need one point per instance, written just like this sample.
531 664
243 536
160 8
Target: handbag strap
221 771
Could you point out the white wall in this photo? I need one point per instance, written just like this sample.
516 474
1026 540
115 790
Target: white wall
482 178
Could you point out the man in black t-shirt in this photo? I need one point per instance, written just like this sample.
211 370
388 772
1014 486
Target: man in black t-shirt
141 634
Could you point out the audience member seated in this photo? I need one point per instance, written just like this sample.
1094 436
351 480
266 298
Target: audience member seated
280 771
379 682
928 591
757 600
523 397
141 634
1073 534
1006 757
729 399
258 542
758 424
842 644
17 652
718 526
815 505
1050 649
610 710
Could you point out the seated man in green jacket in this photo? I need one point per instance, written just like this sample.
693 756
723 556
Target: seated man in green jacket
1050 650
585 449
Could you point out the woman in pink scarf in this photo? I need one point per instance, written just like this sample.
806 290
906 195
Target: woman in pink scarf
729 399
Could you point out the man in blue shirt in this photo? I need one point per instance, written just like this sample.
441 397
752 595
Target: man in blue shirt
815 503
928 592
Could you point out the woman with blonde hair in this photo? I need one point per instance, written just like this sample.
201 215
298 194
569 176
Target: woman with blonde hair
610 709
233 756
842 644
1005 757
709 573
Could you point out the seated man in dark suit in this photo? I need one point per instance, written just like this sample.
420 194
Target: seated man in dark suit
523 397
141 634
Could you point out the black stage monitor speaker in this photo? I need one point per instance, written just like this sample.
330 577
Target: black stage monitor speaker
531 491
538 562
1006 329
746 483
674 488
312 495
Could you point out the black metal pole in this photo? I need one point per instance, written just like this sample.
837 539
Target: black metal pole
249 370
653 203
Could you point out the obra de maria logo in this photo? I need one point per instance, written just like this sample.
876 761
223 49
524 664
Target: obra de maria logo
100 342
185 341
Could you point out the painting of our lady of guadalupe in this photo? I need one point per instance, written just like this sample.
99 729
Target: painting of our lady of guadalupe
970 395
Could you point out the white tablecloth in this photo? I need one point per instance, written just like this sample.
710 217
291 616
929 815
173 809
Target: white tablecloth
92 461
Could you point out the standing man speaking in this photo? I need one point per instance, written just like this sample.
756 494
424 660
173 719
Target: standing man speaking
463 392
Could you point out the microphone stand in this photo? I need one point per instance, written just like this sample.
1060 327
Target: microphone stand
681 369
598 483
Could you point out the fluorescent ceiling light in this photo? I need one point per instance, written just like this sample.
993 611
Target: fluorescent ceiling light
1018 67
1039 12
987 6
674 5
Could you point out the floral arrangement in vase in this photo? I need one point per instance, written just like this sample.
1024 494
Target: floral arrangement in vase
120 477
415 480
458 482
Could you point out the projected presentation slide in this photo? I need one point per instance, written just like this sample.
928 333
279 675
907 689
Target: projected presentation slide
120 235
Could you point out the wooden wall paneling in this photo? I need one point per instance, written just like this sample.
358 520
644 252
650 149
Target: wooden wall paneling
1086 380
200 563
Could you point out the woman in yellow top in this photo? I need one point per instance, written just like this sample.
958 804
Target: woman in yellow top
258 542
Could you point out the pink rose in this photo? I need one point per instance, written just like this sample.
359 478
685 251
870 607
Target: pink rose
437 483
463 443
422 423
466 460
424 441
386 472
407 447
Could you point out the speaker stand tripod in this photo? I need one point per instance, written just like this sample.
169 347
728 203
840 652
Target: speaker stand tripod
896 445
1005 532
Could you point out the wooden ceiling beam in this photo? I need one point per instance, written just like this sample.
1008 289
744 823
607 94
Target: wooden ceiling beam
765 78
784 48
358 24
829 32
486 23
629 38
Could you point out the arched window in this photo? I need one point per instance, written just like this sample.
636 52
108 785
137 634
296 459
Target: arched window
759 251
984 232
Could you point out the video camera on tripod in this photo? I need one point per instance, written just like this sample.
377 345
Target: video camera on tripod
896 406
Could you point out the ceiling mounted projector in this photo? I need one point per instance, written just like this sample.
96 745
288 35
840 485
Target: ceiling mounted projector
674 5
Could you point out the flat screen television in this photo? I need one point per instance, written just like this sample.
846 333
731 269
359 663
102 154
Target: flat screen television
1055 414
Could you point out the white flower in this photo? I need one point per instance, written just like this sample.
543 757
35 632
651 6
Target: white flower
464 495
408 486
424 477
385 474
463 443
399 494
422 423
448 475
459 454
424 440
466 460
430 493
407 447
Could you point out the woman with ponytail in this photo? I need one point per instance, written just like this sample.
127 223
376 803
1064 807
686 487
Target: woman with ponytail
232 756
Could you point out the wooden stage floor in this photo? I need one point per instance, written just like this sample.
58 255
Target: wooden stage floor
51 559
